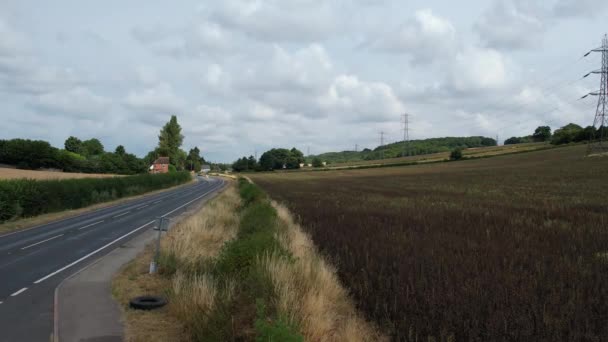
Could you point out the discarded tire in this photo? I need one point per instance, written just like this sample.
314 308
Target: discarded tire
147 302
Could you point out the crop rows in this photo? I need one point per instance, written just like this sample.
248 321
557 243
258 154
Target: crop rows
506 248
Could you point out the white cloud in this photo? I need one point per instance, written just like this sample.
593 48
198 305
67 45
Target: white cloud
276 20
425 38
509 24
77 102
157 100
579 8
359 101
476 69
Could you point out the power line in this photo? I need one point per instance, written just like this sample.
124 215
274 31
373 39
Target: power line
600 121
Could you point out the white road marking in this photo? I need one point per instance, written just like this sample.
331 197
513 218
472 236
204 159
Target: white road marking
185 204
92 253
143 206
1 302
116 240
156 202
19 292
90 225
37 243
119 215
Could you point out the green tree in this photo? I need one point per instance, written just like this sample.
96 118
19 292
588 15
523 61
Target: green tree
73 144
456 154
566 134
317 162
120 150
169 141
194 160
92 147
542 133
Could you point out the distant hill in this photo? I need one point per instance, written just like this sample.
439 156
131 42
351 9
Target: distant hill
413 148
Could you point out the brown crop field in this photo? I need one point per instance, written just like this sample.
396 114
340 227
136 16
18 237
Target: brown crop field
509 248
8 173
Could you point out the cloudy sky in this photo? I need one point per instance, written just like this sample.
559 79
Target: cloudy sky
326 75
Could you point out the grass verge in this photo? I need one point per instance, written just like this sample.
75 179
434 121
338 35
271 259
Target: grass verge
241 269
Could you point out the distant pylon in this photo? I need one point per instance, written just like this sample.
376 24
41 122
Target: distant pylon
406 133
598 140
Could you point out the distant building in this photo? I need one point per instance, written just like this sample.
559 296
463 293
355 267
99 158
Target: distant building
302 164
205 168
160 165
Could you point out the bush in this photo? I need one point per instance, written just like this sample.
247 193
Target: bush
26 197
316 162
456 154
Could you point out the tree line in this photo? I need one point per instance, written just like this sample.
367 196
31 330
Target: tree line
564 135
90 156
274 159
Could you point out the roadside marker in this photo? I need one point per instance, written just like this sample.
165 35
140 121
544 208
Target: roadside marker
37 243
19 292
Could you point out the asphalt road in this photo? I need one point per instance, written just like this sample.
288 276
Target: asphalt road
34 261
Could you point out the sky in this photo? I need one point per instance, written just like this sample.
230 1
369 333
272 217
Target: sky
246 76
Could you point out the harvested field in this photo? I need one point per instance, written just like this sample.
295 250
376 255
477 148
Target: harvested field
475 152
510 248
8 173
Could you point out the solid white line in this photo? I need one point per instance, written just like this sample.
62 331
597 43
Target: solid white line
19 292
92 253
143 206
183 205
37 243
119 215
118 239
89 225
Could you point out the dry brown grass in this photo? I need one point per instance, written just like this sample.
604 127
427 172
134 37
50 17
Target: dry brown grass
8 173
198 236
309 292
203 234
145 326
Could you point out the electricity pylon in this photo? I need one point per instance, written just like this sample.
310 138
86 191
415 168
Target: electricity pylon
598 141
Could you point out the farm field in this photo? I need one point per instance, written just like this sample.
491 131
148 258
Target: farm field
434 157
9 173
507 248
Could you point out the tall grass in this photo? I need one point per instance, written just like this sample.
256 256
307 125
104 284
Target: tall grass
243 270
27 197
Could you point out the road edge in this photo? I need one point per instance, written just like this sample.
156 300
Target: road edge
56 317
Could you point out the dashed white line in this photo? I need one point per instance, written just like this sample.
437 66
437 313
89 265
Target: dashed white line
92 253
156 202
143 206
90 225
119 215
37 243
1 302
185 204
19 292
117 239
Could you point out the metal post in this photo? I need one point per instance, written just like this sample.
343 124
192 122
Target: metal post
154 262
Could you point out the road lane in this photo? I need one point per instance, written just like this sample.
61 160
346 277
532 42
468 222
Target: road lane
34 261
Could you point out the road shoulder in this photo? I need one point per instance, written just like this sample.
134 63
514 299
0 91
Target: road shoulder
85 309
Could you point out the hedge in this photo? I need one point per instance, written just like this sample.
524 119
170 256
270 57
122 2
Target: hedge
27 197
